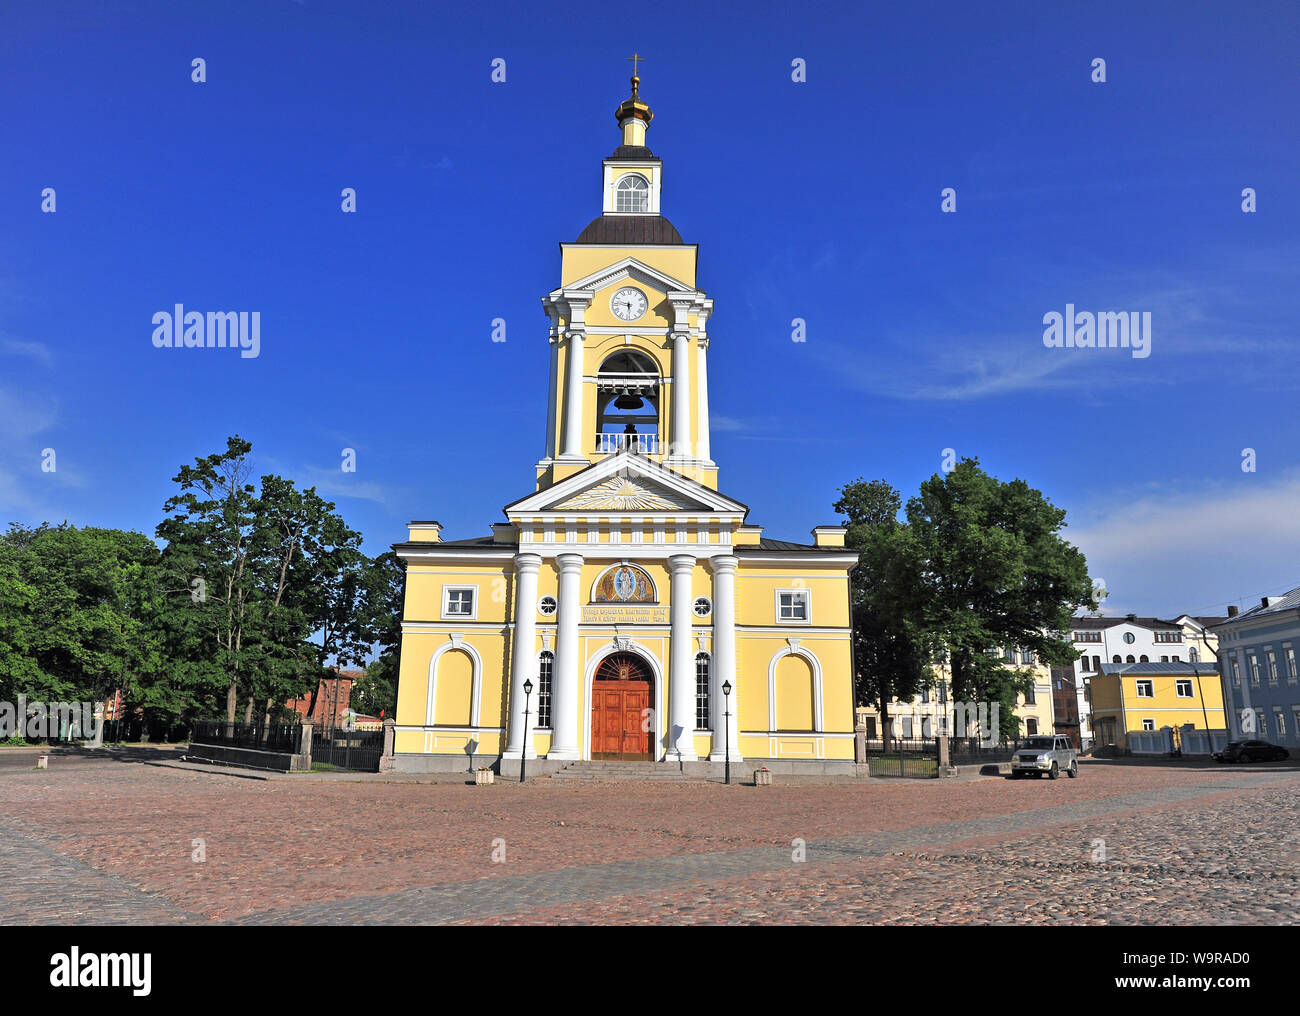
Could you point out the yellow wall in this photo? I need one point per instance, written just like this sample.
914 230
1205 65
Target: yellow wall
490 636
579 262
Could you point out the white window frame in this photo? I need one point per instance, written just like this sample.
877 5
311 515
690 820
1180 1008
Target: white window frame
550 692
620 190
1184 682
804 592
1272 666
554 604
1148 724
1288 652
1144 682
447 590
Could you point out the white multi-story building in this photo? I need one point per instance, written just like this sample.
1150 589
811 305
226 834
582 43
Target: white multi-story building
1133 639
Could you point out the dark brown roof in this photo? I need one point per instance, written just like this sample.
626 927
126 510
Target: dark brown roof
633 153
630 229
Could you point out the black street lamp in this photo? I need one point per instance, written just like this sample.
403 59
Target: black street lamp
523 747
726 732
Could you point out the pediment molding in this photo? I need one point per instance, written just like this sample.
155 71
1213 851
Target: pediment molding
627 268
627 483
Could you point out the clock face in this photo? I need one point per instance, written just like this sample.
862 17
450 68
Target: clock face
628 304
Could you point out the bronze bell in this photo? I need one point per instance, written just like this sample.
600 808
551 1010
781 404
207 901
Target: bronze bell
627 400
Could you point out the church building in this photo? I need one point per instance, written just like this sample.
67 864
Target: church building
626 609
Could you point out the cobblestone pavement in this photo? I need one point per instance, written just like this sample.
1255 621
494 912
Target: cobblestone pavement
114 842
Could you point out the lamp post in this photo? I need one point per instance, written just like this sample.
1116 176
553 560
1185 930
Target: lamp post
523 747
726 733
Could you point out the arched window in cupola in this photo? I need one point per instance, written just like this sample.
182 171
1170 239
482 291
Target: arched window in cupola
627 403
632 194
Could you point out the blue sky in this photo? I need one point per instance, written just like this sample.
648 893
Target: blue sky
818 200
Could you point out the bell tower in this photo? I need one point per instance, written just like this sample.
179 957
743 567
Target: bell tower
628 327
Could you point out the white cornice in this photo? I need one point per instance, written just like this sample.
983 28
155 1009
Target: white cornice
628 267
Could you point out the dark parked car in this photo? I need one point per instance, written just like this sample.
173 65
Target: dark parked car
1251 751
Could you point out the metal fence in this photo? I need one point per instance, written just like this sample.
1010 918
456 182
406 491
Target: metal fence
282 737
970 751
346 748
913 758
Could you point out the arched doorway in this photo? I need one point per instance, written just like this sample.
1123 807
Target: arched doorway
620 709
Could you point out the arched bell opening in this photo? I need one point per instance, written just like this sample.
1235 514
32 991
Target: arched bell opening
627 403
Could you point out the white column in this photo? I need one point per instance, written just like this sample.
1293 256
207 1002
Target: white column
573 395
552 398
523 655
565 681
681 437
681 672
702 386
724 661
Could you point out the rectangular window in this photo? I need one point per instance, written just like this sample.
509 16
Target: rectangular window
458 601
1169 636
702 692
1031 726
1254 669
1184 688
1009 655
1236 673
792 605
1144 690
1148 724
1272 666
1280 719
1164 659
1290 661
545 670
1261 725
1029 696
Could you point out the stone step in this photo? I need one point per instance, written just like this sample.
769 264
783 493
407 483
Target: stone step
602 770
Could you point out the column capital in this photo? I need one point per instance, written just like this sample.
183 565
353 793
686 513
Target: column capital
724 564
681 562
569 562
528 563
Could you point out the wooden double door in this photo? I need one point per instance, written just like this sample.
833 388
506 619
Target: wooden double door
622 724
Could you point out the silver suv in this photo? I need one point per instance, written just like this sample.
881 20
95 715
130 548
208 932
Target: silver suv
1052 755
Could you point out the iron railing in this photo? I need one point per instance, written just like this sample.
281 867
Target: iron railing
282 737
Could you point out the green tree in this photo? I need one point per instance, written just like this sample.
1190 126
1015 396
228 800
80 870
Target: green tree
75 625
891 647
997 574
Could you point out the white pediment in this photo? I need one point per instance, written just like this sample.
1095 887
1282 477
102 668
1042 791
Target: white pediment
627 483
625 493
628 269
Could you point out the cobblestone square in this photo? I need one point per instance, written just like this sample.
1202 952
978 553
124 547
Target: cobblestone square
112 841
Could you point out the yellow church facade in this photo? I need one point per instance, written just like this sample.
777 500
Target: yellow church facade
626 609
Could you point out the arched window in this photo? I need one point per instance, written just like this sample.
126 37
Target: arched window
702 691
545 669
627 403
1144 659
1130 659
1116 659
632 194
1194 654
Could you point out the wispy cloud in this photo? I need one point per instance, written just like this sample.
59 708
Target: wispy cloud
37 351
1214 545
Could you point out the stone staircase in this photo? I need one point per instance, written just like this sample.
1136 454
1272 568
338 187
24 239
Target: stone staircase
663 771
